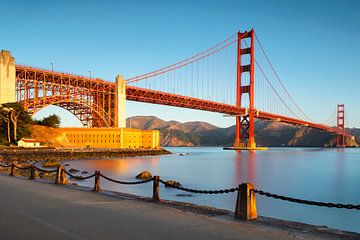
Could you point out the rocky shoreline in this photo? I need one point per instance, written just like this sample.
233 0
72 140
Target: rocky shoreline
42 155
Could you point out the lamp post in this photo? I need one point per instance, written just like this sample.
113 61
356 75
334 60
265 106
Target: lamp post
90 74
52 67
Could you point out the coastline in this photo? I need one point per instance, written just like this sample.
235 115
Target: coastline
50 154
135 211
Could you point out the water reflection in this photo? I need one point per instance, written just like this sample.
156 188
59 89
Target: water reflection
118 166
340 175
245 167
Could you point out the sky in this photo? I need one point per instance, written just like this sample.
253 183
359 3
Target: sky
314 45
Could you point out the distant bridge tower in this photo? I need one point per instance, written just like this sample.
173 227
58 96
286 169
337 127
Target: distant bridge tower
340 141
7 77
245 137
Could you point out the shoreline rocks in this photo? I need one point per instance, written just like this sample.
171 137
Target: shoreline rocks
53 155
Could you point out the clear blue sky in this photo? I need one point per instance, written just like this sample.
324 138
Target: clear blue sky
314 45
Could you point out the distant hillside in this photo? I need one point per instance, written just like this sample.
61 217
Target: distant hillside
173 133
272 134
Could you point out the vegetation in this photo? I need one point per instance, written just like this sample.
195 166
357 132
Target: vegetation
20 122
50 121
23 120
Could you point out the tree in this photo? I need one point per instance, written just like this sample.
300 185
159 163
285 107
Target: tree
20 120
50 121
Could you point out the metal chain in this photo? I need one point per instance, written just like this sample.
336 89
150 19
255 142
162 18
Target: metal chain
23 168
127 183
201 191
5 166
45 171
308 202
79 177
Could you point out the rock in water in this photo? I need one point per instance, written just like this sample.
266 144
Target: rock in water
172 183
73 170
51 164
144 175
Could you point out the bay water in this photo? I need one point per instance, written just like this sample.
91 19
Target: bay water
318 174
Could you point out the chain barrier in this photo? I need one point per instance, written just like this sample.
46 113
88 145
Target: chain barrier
5 166
229 190
79 177
308 202
127 183
45 171
22 168
223 191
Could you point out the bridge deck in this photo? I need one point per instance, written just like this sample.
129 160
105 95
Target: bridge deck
55 80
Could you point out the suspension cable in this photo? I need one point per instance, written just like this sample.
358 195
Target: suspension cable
281 82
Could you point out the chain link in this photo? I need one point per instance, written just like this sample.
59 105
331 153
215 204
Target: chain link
308 202
127 183
229 190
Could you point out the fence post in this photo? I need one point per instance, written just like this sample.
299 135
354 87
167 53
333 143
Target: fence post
32 172
12 169
246 203
60 175
156 189
97 182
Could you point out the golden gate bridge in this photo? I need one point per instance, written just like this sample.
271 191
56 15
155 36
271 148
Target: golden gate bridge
229 78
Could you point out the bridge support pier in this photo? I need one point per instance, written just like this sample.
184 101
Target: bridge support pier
7 77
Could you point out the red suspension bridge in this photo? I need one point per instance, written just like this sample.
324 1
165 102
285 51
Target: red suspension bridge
220 79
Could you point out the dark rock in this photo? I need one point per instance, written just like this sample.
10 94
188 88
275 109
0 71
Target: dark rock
144 175
172 183
73 170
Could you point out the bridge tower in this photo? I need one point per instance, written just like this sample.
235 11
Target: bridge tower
340 140
245 137
120 102
7 77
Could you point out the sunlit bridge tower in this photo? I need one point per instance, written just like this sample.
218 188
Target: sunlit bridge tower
340 141
244 137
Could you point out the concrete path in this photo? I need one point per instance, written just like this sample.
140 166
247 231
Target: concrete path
38 210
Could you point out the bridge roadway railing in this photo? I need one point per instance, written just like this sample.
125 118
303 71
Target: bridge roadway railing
245 203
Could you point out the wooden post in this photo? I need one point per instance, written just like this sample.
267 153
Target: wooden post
156 189
32 172
97 182
60 175
246 202
12 169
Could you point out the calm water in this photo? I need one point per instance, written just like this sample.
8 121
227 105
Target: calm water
330 175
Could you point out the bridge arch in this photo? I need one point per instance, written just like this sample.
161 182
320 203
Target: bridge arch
88 115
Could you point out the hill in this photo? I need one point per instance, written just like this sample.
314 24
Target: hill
272 134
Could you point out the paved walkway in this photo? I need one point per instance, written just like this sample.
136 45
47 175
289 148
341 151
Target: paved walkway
38 210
